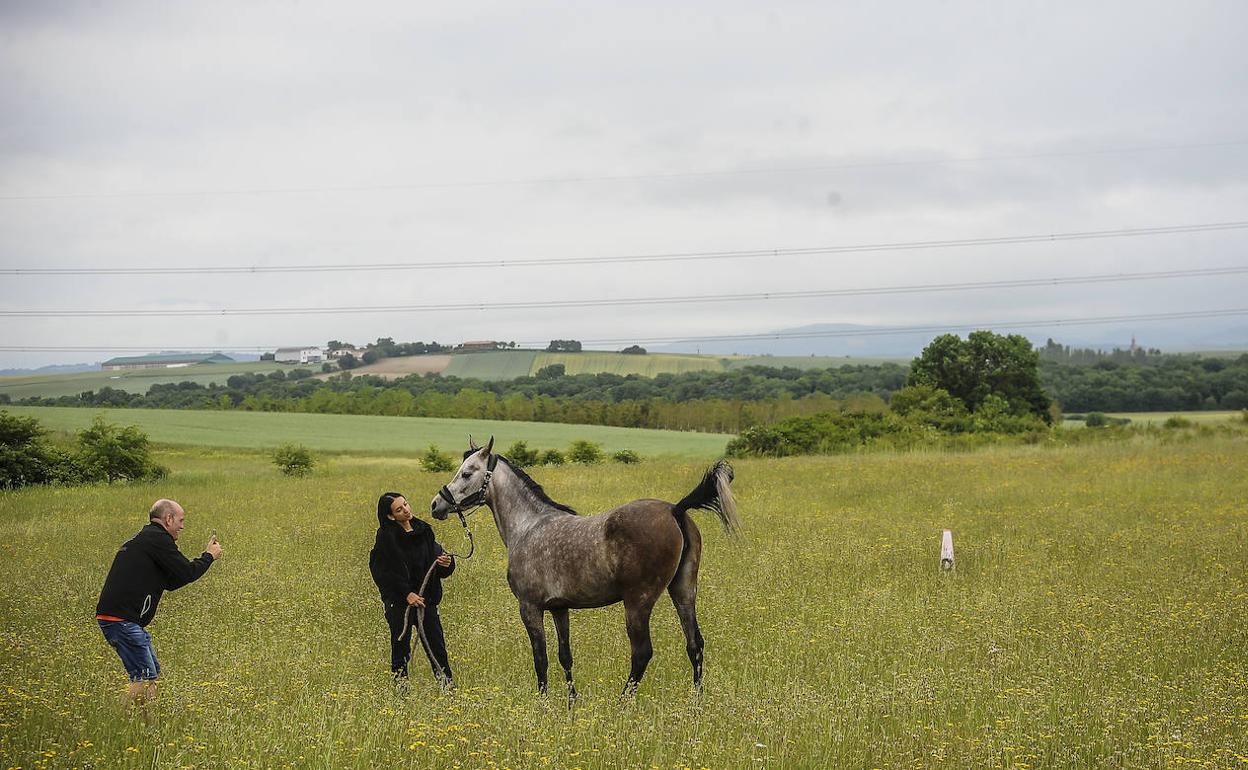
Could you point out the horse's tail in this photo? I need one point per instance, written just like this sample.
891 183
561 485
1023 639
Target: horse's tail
714 494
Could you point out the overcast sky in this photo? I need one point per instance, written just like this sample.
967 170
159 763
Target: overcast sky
297 133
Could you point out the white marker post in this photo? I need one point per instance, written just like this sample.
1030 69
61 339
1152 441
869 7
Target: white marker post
946 550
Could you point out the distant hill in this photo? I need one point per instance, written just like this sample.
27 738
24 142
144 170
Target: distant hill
53 369
881 342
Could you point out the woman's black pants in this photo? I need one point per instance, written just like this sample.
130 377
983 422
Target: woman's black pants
401 649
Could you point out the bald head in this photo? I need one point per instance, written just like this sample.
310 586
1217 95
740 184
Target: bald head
168 514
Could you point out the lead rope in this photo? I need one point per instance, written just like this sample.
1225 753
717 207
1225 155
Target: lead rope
439 672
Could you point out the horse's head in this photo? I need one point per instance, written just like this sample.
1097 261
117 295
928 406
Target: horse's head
467 488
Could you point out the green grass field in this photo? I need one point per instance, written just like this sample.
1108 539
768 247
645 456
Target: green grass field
1097 617
406 436
132 380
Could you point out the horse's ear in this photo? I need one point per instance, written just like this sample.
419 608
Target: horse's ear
472 444
489 446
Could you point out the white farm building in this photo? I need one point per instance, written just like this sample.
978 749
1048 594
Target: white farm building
308 355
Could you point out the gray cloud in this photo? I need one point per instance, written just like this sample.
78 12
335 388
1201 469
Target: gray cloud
309 98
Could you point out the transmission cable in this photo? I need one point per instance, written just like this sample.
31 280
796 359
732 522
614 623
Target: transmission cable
632 258
928 288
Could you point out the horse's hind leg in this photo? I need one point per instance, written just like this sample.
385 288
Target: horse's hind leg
637 621
531 614
684 592
563 634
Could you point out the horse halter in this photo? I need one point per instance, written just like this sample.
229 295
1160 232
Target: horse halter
476 499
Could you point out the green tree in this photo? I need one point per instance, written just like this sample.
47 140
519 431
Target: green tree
25 456
585 452
111 453
293 459
626 457
520 455
983 365
435 461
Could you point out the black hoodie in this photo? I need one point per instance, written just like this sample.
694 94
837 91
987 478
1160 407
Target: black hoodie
400 559
146 566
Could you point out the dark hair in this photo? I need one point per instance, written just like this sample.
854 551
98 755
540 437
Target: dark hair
383 506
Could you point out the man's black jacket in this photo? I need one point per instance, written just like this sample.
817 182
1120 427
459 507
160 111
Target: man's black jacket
146 566
400 559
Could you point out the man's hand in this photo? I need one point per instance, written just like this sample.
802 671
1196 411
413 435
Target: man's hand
444 560
415 601
213 548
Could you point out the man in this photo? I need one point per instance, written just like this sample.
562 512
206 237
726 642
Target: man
147 565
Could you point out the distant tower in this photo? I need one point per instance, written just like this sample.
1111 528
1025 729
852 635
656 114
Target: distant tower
1134 347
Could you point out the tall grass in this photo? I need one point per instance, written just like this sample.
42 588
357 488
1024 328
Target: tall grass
1097 617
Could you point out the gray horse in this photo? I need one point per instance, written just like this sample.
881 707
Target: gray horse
557 560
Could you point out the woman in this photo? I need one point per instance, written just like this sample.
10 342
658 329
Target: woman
401 556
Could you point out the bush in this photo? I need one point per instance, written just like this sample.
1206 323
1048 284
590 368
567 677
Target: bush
112 453
103 452
585 452
626 456
553 457
25 457
521 456
1176 421
1096 420
299 374
293 459
436 462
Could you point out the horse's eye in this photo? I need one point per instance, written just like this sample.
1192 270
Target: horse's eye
466 475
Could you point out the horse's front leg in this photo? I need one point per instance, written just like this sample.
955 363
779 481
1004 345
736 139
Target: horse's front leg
531 614
563 634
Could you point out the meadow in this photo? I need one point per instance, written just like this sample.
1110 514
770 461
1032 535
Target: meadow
1097 617
403 436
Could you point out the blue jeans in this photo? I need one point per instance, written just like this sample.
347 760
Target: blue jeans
134 647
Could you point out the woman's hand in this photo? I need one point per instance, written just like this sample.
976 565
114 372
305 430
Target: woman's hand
444 560
415 601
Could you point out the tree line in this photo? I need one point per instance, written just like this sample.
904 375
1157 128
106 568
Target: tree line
717 401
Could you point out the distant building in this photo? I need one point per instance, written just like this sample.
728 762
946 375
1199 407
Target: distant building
306 355
164 361
474 346
336 353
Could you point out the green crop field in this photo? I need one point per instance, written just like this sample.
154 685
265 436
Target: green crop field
362 433
649 365
1097 618
132 380
499 365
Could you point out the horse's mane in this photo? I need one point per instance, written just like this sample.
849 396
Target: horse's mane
536 488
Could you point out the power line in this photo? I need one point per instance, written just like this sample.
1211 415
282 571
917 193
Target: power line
687 256
864 331
671 176
625 301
